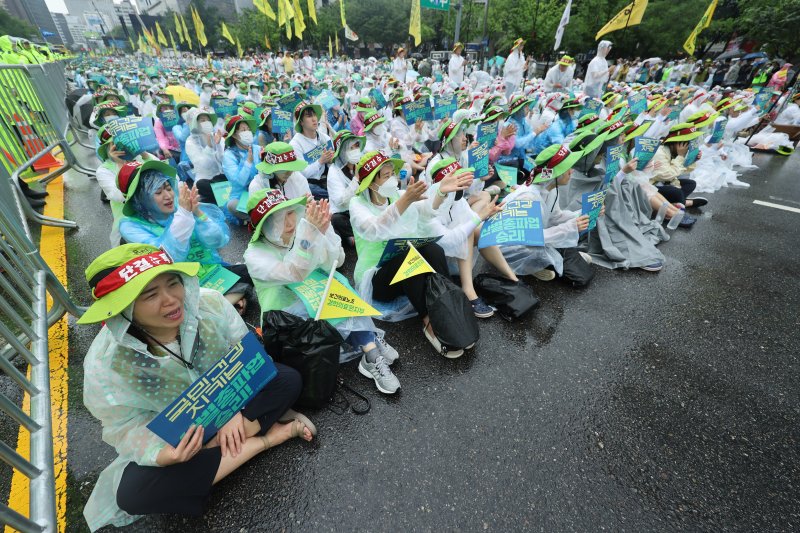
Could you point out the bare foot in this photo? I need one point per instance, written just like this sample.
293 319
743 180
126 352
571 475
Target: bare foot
280 433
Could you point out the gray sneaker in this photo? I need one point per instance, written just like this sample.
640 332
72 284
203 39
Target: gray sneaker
385 381
389 353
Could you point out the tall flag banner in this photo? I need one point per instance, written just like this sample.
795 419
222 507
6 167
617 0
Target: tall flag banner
413 265
162 40
172 40
226 34
341 12
239 48
330 47
337 43
266 42
350 34
562 25
629 16
299 20
141 45
186 33
312 11
704 23
199 28
178 28
264 7
415 25
133 46
281 14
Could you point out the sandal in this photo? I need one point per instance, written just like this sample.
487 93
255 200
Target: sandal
292 415
297 431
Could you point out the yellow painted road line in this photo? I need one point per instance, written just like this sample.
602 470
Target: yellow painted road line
52 247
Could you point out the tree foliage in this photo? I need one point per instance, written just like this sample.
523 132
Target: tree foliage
15 27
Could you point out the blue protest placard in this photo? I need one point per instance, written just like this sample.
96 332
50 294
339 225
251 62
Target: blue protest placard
591 106
613 155
377 96
507 175
288 102
224 107
520 222
719 131
222 192
638 103
168 117
133 134
219 278
327 99
478 158
592 204
282 121
417 110
487 132
395 247
691 155
313 155
644 148
762 98
444 106
221 392
674 114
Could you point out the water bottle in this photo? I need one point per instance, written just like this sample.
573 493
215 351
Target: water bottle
676 219
662 212
403 176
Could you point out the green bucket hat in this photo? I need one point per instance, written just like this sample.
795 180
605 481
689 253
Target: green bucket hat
280 157
248 109
570 103
683 132
554 161
611 129
341 137
588 122
233 123
128 179
118 276
369 165
364 104
372 119
633 130
583 140
122 111
449 130
181 105
445 167
300 109
517 103
494 113
266 202
701 119
105 139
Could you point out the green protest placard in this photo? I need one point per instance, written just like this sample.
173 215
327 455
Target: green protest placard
219 279
222 192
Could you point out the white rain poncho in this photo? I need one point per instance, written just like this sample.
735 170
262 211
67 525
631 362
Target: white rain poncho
597 71
206 158
125 387
295 185
341 189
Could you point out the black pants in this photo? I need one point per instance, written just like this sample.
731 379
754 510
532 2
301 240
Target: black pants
677 195
205 190
341 225
413 288
184 488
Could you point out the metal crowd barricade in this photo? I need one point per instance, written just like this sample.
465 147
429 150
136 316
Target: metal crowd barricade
25 282
33 125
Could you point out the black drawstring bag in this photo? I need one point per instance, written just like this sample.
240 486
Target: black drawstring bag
577 272
450 313
309 346
511 298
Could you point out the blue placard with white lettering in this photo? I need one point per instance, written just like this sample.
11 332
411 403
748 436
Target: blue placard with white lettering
288 102
591 106
638 103
224 107
644 148
313 155
444 106
395 247
327 99
416 110
693 153
719 131
520 222
168 117
221 392
487 132
377 96
592 204
613 155
478 158
133 134
282 121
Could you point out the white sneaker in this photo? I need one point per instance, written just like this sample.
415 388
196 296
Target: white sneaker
545 275
447 353
586 257
379 371
389 353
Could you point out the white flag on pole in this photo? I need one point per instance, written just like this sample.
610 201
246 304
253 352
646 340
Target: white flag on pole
562 25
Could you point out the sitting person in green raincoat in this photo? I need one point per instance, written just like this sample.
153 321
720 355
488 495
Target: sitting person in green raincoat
161 332
160 212
291 239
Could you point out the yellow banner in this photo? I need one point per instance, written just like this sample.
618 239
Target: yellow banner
199 28
330 47
186 32
178 28
337 44
266 42
162 40
299 20
631 15
226 34
264 7
312 11
415 26
172 40
341 12
239 48
341 302
704 23
413 265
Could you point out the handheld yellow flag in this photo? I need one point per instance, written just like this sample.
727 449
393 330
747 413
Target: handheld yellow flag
239 48
264 7
186 32
199 28
341 12
226 34
330 47
413 265
162 40
266 42
341 302
631 15
299 20
415 25
704 23
172 40
133 46
281 14
337 43
312 11
178 28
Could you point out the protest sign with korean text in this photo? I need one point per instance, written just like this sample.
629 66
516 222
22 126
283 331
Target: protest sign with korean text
520 222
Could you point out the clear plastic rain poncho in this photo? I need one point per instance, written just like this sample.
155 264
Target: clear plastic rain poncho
274 264
126 386
180 233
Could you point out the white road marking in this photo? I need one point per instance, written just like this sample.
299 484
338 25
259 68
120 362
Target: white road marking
777 206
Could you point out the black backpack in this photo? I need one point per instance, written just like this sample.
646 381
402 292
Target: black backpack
450 313
577 272
511 298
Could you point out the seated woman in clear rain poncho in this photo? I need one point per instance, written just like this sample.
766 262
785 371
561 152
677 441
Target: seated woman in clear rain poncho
177 222
290 241
161 332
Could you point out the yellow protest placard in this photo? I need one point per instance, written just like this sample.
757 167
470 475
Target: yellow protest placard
342 303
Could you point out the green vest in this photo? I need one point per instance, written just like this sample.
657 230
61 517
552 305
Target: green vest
369 252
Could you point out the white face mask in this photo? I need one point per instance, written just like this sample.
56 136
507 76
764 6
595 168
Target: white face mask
245 137
206 127
379 130
207 90
184 115
353 156
389 187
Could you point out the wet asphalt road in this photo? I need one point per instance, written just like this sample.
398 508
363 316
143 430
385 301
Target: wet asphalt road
647 402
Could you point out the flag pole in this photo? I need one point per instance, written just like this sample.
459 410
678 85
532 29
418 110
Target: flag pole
327 290
630 12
